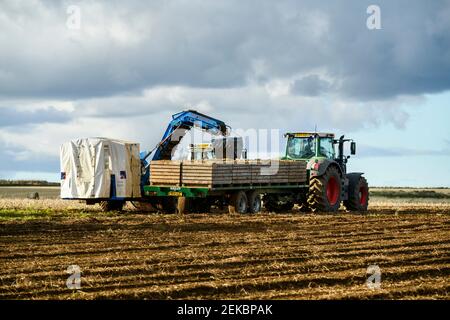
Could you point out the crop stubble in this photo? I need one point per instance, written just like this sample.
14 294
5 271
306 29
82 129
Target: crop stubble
288 256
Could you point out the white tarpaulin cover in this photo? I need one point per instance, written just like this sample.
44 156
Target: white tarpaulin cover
87 166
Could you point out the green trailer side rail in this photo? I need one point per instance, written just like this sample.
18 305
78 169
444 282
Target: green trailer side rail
203 192
174 191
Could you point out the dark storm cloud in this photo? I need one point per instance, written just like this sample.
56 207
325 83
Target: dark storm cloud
128 46
310 85
12 117
409 55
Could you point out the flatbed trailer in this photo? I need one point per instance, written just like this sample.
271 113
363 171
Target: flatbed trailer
238 198
183 186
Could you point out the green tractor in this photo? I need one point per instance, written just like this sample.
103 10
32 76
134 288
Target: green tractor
329 182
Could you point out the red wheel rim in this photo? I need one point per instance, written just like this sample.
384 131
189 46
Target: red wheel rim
363 195
332 191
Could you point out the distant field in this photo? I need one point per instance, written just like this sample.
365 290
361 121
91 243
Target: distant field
381 199
411 193
23 192
7 192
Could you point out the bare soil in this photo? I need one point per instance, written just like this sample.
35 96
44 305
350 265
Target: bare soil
219 256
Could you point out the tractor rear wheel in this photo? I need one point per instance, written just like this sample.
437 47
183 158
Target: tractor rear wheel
305 208
238 203
358 195
325 191
303 202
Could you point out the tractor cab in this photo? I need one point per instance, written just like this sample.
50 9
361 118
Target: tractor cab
307 145
318 146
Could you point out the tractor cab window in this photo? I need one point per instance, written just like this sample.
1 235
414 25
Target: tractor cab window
326 148
301 148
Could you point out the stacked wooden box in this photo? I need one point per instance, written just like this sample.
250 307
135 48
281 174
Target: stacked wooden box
221 173
165 172
206 173
281 171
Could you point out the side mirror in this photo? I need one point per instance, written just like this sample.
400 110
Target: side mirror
353 147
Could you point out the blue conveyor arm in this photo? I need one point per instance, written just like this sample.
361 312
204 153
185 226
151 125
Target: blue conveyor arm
177 128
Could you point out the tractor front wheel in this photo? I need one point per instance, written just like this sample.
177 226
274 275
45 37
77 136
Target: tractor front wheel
325 191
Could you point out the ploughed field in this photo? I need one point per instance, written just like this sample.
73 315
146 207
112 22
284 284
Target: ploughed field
220 256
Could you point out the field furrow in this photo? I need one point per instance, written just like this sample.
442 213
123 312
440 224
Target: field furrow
286 256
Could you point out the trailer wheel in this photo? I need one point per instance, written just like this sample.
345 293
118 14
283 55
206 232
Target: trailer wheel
238 203
254 202
358 195
112 205
325 191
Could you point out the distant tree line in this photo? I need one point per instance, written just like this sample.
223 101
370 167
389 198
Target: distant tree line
410 194
22 183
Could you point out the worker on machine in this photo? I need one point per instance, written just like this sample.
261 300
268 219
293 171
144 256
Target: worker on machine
309 148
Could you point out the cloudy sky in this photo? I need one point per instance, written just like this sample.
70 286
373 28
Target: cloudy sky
288 65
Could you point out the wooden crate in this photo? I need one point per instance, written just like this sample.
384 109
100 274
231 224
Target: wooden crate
297 172
205 173
165 172
281 172
210 173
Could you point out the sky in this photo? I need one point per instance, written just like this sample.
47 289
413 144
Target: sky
120 69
